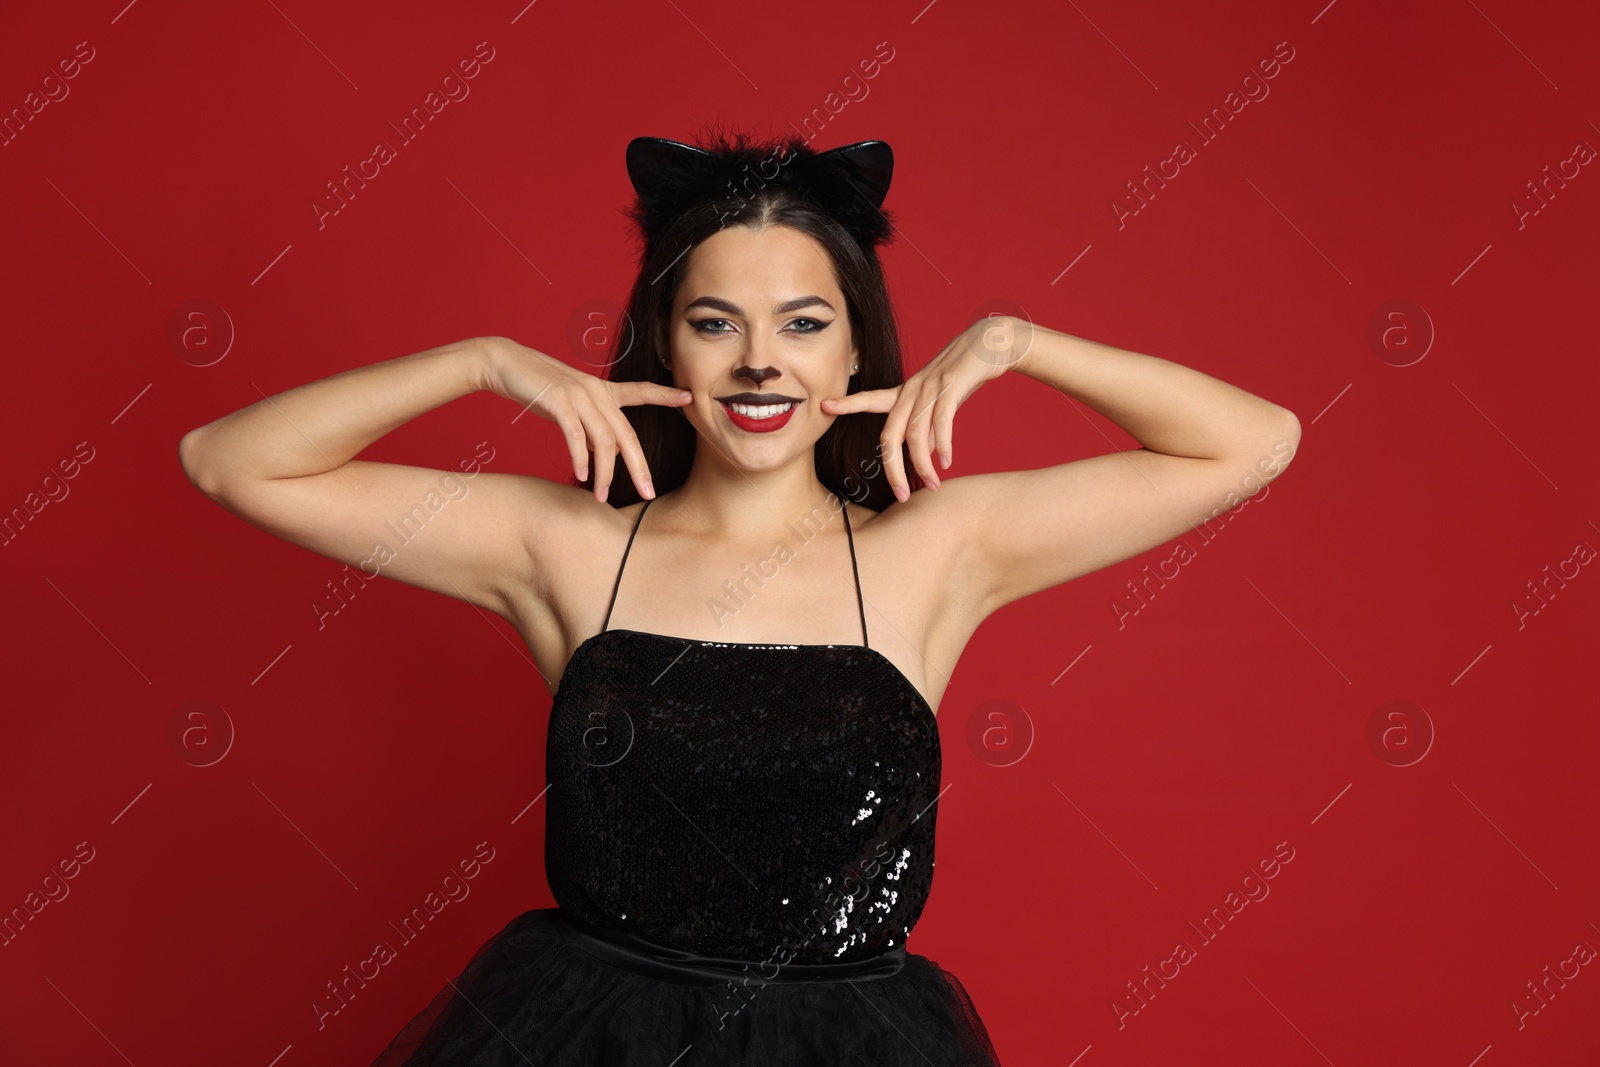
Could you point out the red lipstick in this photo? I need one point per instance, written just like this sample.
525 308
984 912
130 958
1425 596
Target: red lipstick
766 425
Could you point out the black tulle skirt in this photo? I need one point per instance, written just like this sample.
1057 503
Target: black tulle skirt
552 992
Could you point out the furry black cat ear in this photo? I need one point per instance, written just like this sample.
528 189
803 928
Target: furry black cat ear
871 164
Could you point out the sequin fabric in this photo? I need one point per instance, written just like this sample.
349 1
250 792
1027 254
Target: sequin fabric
741 800
748 801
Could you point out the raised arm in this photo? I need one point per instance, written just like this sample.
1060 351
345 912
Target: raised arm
1207 445
286 465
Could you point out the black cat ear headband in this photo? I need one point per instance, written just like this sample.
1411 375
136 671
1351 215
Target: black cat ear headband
848 183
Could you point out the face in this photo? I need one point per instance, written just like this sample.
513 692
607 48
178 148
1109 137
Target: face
760 333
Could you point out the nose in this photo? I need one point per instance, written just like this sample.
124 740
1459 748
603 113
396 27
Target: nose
756 375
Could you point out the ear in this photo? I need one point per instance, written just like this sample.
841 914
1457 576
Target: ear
666 174
873 165
654 162
664 344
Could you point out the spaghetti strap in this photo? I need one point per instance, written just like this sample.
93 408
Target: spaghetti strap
857 573
618 584
854 570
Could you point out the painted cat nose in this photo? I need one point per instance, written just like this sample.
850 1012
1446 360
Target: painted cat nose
756 375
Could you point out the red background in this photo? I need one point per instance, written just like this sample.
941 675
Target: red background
1228 715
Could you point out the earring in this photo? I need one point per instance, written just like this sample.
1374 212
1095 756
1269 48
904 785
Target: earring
852 368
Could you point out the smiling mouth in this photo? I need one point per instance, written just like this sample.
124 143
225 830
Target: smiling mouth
758 406
760 411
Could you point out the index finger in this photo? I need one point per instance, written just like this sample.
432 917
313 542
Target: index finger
630 393
866 400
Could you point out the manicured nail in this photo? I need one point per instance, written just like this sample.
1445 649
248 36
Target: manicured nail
649 490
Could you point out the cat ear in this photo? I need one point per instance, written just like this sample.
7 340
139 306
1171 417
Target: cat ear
849 182
872 163
656 164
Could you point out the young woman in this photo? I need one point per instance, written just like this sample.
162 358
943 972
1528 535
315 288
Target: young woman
743 772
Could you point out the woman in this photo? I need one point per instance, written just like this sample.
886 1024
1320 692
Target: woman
743 786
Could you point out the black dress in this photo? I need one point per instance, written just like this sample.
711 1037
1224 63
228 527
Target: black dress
739 838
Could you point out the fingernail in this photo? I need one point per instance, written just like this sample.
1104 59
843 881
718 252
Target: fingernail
602 494
649 490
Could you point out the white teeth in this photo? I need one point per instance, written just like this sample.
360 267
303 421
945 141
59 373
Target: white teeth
765 411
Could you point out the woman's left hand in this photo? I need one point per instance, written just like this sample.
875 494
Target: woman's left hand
922 409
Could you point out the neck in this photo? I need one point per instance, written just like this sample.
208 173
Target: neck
749 506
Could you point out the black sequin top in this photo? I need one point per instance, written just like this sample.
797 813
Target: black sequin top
749 801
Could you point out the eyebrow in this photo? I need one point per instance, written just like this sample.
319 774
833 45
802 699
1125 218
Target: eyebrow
719 304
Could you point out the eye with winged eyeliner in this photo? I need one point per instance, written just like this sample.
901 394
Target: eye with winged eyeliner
700 325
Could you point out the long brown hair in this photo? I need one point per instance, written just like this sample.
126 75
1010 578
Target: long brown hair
847 456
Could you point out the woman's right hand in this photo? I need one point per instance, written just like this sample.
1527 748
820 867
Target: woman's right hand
588 409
